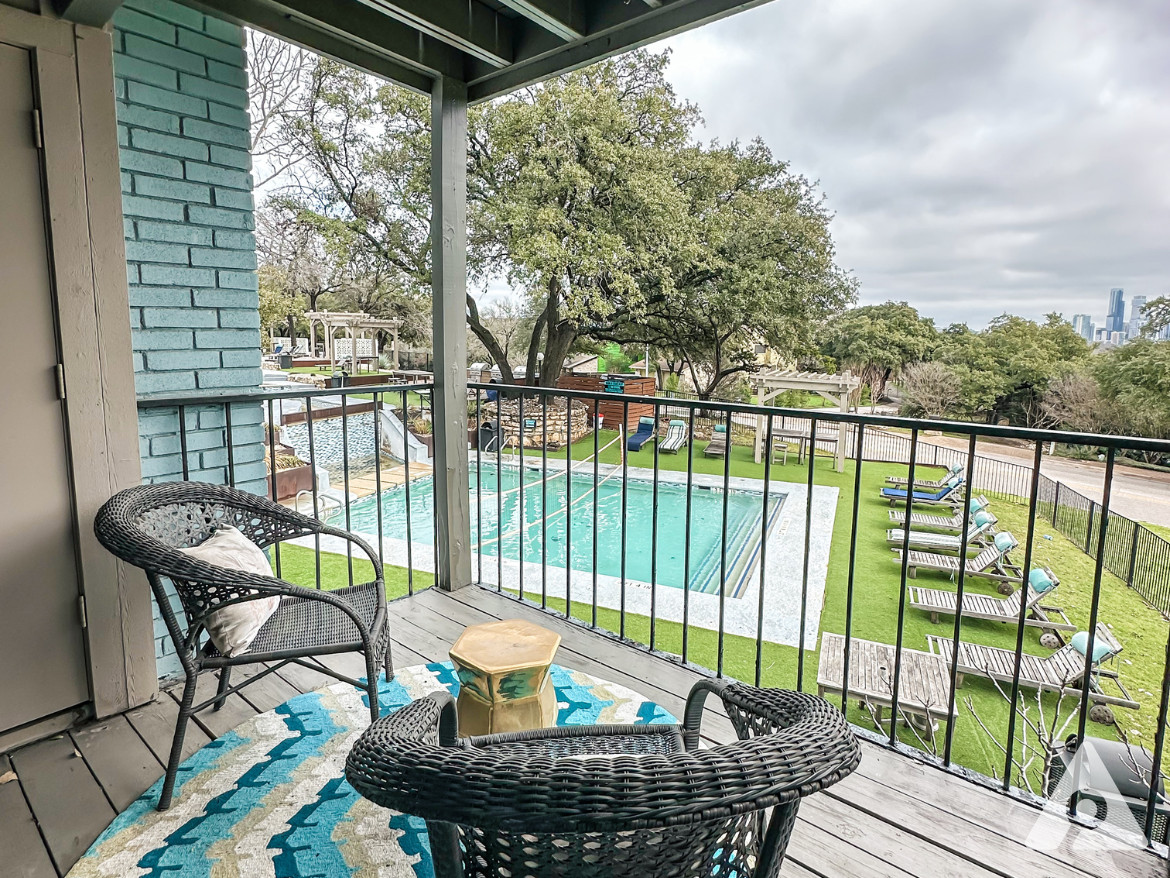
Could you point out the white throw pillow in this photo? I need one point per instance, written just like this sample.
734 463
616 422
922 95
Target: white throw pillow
232 629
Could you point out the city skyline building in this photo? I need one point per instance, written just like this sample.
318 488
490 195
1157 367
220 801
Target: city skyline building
1115 317
1137 317
1083 326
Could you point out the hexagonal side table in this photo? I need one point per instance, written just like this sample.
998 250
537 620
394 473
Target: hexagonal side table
503 670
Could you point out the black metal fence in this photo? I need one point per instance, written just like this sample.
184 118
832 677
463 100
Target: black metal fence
699 586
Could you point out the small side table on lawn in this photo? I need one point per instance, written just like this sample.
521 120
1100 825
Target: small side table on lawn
923 684
503 671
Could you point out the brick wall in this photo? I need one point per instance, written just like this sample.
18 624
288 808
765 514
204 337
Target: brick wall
181 86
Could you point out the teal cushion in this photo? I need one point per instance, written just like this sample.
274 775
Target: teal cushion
955 480
977 504
1040 580
649 422
720 428
982 518
678 423
1101 650
956 467
1005 542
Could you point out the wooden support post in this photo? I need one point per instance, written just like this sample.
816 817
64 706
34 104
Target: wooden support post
449 323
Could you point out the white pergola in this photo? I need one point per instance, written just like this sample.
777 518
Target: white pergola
356 324
837 388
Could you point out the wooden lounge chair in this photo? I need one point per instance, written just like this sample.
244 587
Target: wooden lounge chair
717 447
1063 671
676 437
927 484
1042 582
642 436
948 495
991 563
954 521
978 535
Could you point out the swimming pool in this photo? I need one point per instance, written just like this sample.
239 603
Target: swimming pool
523 532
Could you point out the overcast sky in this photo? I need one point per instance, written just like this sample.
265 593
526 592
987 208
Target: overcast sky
980 157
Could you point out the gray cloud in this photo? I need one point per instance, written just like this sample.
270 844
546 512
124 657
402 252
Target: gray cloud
980 157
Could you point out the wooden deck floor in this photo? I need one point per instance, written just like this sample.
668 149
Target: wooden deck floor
894 817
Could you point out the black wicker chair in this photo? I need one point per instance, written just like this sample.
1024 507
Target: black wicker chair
147 525
637 801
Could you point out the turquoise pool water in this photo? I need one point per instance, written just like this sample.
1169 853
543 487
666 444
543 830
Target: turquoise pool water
523 532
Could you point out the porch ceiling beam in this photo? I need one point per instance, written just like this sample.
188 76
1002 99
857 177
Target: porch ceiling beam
469 25
614 26
95 13
564 18
386 47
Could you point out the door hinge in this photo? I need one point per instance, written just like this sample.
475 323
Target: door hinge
81 611
38 130
60 370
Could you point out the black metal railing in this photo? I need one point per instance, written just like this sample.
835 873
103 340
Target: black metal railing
747 569
521 456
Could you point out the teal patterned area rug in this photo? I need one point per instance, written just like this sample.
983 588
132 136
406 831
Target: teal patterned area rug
269 799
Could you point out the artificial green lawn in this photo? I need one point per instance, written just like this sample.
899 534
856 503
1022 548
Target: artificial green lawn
876 591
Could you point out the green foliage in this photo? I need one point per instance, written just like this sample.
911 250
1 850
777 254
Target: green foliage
877 341
614 359
1157 314
1135 379
1005 369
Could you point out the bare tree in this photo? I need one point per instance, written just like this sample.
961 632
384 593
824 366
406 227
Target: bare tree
276 87
929 390
1073 402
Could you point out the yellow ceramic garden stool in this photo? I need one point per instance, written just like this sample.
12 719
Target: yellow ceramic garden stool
503 670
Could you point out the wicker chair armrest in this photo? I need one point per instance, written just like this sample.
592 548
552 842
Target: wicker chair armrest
523 791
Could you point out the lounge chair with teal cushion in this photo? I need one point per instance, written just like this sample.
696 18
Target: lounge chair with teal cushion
642 436
927 484
1063 671
952 522
717 447
979 533
948 495
992 563
1042 582
675 438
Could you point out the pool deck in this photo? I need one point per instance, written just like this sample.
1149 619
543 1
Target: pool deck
895 817
365 485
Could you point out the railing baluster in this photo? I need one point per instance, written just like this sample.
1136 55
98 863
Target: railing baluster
378 475
1094 611
1159 746
521 527
271 467
723 547
231 450
763 552
965 532
808 508
568 506
544 501
596 503
313 485
345 479
183 445
499 434
902 590
1028 552
654 536
624 436
852 567
405 413
478 497
687 533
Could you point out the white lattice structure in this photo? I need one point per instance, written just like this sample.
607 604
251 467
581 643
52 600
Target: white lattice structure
361 334
836 388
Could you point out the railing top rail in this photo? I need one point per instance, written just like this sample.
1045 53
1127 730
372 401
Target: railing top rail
263 394
963 428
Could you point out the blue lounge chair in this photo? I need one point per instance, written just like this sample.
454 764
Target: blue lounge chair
640 438
949 494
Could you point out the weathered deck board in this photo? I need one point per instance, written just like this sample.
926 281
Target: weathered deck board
64 797
24 851
120 760
893 818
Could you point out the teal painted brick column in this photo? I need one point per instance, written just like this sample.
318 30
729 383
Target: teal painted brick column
181 87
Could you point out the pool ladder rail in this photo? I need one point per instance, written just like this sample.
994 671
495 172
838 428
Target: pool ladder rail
324 499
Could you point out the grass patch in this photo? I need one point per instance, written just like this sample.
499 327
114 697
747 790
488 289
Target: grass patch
298 565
